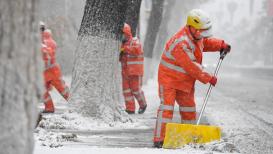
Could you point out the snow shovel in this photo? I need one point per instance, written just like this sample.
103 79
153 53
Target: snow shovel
177 135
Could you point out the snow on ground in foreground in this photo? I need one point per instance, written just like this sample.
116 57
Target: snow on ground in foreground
58 133
63 119
97 150
94 150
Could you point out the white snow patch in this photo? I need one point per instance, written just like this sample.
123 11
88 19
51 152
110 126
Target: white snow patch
53 139
97 150
75 121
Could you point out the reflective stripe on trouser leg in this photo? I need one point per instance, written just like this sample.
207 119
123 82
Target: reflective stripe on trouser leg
127 93
138 93
165 112
188 115
47 97
160 125
160 119
161 94
186 107
49 106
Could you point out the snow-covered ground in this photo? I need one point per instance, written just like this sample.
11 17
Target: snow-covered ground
241 105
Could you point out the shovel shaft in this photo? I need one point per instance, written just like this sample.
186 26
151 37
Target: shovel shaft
208 92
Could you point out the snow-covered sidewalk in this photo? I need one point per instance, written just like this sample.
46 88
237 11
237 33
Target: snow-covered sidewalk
228 108
96 150
65 132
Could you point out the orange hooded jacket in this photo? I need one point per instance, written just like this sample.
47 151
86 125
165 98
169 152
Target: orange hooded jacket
132 54
181 61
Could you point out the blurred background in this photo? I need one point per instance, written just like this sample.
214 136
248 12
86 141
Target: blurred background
245 24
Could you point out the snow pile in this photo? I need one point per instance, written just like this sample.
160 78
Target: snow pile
97 150
223 146
49 128
53 139
74 121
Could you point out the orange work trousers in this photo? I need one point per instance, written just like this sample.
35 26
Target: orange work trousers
131 86
187 109
53 78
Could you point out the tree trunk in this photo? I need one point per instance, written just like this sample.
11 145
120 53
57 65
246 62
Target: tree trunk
96 80
163 34
150 36
153 27
160 40
132 14
20 75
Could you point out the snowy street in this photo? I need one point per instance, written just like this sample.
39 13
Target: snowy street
90 76
241 105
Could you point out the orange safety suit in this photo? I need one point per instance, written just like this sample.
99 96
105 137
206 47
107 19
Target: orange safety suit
52 71
132 71
179 68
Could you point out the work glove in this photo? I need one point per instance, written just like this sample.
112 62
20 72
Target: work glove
121 49
120 56
225 50
213 80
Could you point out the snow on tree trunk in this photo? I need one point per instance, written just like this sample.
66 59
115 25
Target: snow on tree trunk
20 75
96 80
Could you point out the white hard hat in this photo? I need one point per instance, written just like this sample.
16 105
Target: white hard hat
200 20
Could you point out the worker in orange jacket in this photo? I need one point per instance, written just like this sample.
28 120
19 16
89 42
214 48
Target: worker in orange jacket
131 58
52 70
180 67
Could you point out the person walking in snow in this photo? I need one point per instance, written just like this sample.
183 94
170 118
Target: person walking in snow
180 67
52 70
131 58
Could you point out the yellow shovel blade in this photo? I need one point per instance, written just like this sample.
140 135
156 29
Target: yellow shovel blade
177 135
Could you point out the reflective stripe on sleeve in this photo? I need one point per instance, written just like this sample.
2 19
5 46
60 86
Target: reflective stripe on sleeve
198 65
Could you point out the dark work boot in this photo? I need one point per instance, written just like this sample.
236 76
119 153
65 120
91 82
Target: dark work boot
141 110
39 119
158 144
130 112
